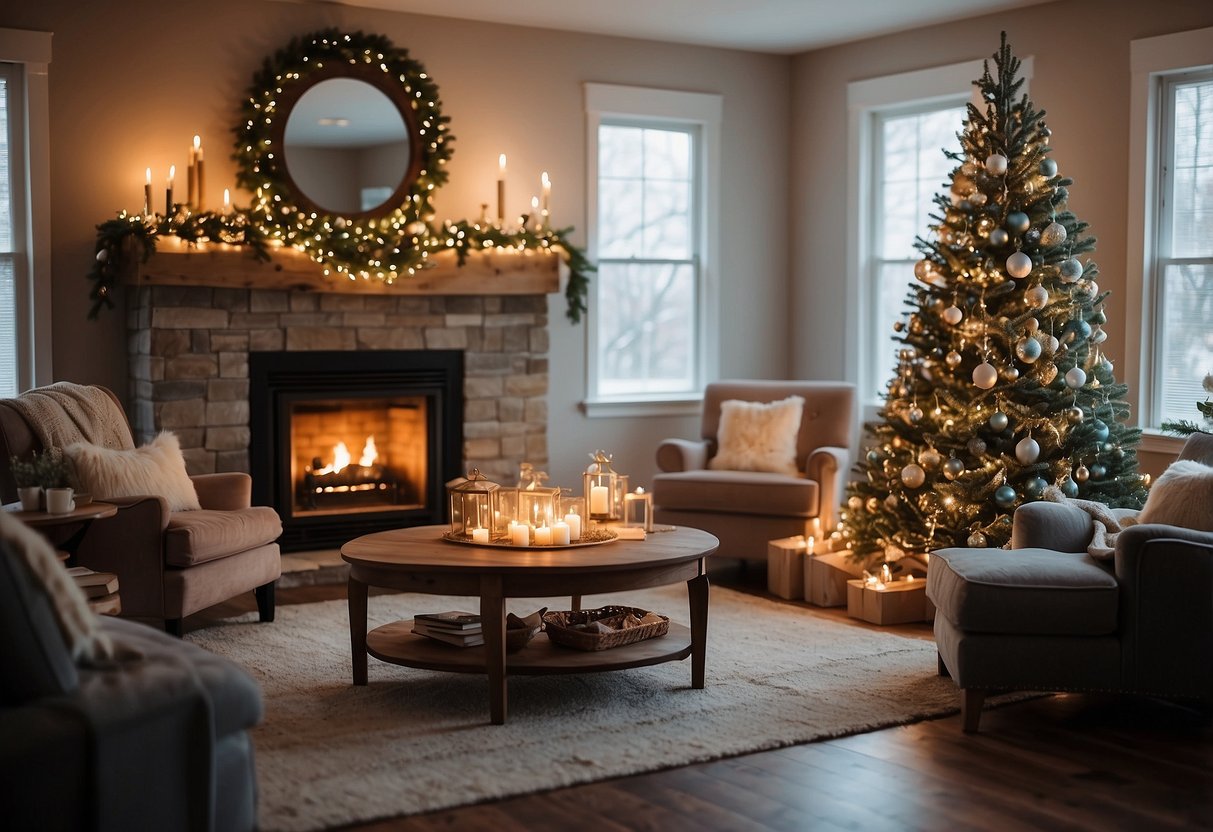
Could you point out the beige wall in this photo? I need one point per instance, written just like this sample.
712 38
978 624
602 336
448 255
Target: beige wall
132 82
1081 80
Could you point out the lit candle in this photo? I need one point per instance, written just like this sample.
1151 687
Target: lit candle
227 202
573 521
199 178
561 533
147 195
168 191
520 534
191 177
543 536
811 545
535 213
480 535
547 191
501 188
599 500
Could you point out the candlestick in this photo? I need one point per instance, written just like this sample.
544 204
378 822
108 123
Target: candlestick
501 188
147 195
573 521
199 176
168 191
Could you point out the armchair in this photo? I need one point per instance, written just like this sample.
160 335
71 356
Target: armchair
1047 616
169 564
745 509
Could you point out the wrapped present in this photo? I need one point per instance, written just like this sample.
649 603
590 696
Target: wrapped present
785 567
825 578
895 602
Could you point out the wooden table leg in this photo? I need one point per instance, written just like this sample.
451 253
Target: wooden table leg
356 591
697 593
492 620
575 603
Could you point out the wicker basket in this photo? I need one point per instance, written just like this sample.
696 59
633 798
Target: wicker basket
561 633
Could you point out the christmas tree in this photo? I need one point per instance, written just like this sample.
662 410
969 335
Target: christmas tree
1002 387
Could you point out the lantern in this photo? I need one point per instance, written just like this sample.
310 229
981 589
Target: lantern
602 490
474 507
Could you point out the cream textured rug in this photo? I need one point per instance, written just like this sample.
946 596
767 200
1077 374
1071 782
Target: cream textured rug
412 740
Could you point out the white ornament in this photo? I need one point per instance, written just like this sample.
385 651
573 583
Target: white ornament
996 164
1027 451
1051 343
1076 377
985 376
1019 265
1037 296
953 315
913 475
953 359
1031 325
1053 235
999 237
1069 270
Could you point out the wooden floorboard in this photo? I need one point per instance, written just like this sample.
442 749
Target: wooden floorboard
1053 762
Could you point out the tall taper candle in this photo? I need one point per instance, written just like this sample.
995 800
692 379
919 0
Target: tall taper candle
547 192
199 178
191 179
168 191
227 202
147 195
501 189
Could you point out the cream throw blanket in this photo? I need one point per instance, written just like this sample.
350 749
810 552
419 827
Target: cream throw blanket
1107 524
63 413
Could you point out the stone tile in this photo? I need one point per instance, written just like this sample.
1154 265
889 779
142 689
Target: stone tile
536 385
189 413
155 368
254 320
189 317
233 364
536 365
266 340
357 319
190 437
232 461
142 389
168 343
525 303
304 302
516 339
510 408
537 448
536 411
234 438
481 363
464 305
412 305
191 366
290 319
481 449
492 304
342 303
539 340
513 446
182 296
168 391
227 389
493 340
265 300
229 342
200 341
139 342
513 428
198 461
385 338
319 338
464 320
226 413
445 339
233 300
483 388
418 322
482 430
508 319
480 410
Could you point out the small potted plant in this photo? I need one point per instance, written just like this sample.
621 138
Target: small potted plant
29 485
51 466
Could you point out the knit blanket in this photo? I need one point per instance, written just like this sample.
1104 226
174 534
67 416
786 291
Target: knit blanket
1108 525
63 413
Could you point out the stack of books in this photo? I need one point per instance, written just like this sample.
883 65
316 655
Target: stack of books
459 628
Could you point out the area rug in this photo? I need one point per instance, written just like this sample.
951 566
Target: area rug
329 753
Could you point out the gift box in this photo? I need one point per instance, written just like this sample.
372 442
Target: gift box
785 567
825 578
896 602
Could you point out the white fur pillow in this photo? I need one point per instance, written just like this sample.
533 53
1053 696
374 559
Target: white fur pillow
157 468
1182 496
758 437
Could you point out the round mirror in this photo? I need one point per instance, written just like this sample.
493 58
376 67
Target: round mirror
346 148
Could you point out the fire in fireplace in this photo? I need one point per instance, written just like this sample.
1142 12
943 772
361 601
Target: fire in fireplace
345 443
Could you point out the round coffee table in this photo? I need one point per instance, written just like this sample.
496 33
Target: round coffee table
418 560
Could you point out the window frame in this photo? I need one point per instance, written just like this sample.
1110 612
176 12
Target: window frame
1154 63
29 55
699 114
903 93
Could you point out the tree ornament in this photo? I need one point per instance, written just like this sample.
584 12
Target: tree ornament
953 315
999 237
899 326
923 268
1048 168
1027 350
1031 236
874 457
1018 222
1037 297
1004 495
930 458
1019 265
1098 336
1031 325
996 164
952 359
999 420
1081 473
976 540
1098 471
1034 487
913 475
976 446
953 468
1010 372
1074 415
1069 487
1053 235
1047 372
1069 270
890 502
873 505
1027 450
103 255
977 198
915 415
1101 430
1076 377
984 375
1051 344
855 503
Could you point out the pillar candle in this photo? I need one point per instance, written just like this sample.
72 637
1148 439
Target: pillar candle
227 202
501 188
520 535
480 535
147 195
599 500
573 521
561 534
543 536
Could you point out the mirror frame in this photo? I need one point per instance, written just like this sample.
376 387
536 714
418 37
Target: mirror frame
396 239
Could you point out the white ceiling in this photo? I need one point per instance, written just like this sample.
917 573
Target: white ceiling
779 26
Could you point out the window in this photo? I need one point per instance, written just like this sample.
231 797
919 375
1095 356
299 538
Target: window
1171 227
652 196
899 127
24 211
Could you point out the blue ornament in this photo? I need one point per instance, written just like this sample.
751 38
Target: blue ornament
1018 222
1098 472
1004 496
1032 237
1034 487
1070 270
1101 431
1069 487
999 421
1048 168
874 457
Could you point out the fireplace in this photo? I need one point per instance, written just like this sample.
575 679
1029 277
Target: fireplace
346 443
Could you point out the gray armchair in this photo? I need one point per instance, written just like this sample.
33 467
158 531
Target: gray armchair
745 509
1047 616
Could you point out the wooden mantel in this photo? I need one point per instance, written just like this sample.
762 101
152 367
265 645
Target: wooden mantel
234 267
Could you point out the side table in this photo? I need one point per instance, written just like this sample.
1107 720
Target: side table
64 531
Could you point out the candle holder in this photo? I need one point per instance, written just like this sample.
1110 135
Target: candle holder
474 505
537 505
602 497
638 509
572 512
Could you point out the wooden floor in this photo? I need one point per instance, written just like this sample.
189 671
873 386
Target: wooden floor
1055 762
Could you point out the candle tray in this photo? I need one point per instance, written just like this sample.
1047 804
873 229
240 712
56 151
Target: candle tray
593 537
561 628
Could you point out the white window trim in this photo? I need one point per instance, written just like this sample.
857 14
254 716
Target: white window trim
638 105
1149 59
33 291
941 84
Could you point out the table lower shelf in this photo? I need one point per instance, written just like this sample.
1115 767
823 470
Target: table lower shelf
396 643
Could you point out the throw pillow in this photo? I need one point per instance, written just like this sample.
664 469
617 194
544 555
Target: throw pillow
1182 496
754 436
78 624
156 468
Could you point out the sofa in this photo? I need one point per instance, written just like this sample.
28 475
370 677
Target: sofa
747 508
1052 613
152 735
169 563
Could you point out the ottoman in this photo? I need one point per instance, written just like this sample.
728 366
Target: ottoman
1023 619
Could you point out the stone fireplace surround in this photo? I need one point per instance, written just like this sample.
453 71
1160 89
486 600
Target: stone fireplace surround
189 354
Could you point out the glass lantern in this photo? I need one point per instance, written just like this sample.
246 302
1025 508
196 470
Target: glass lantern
474 507
537 505
603 498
